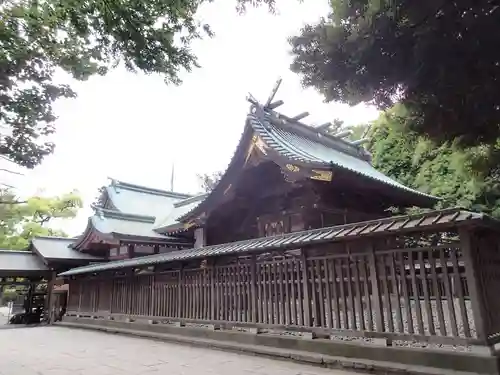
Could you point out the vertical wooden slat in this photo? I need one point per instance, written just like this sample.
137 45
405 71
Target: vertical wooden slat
396 292
377 295
321 299
287 299
427 300
416 294
437 293
406 297
270 293
276 299
328 290
350 293
263 267
460 292
313 285
180 293
254 294
387 292
281 299
293 292
449 296
358 296
335 293
367 295
300 286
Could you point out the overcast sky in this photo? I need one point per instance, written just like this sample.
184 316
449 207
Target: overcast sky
133 127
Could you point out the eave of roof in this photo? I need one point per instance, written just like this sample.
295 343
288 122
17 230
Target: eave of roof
21 263
59 249
433 219
171 224
113 226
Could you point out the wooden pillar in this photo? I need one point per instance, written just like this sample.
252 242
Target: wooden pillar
306 302
49 299
131 250
377 296
478 302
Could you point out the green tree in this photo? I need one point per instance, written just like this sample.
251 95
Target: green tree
83 38
439 58
442 170
20 221
209 181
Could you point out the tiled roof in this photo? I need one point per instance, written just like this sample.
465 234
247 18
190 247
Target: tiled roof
300 143
59 248
116 225
20 263
297 239
170 222
141 200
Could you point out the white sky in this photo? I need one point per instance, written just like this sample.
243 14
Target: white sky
133 127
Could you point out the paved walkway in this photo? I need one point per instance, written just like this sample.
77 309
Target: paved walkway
63 351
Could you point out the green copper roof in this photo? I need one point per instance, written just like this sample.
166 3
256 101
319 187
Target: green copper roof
180 208
114 225
21 263
303 144
141 200
59 249
120 223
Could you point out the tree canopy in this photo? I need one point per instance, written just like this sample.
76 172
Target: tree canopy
20 221
209 181
83 38
439 58
441 170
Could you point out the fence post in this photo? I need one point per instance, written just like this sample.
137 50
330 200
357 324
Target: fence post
306 303
253 289
377 303
213 302
472 267
179 295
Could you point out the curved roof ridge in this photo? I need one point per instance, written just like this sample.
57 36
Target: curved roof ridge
147 190
289 124
191 200
112 214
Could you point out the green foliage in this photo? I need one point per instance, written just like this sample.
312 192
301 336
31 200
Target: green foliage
83 38
443 170
21 221
208 182
439 58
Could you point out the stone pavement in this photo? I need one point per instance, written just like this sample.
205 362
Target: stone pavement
63 351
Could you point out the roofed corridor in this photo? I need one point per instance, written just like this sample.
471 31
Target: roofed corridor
58 351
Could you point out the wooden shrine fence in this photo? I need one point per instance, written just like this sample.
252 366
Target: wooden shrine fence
439 287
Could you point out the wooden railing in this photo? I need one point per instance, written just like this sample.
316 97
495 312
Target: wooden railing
444 293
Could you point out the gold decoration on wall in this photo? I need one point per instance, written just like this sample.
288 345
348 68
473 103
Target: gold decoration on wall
261 145
322 175
189 224
292 168
228 188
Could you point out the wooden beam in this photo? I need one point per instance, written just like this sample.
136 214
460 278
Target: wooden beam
300 116
273 92
276 104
